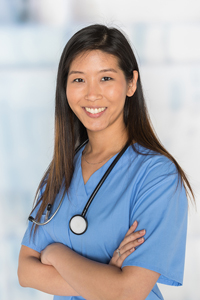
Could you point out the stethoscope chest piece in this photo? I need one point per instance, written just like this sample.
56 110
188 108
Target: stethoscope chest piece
78 224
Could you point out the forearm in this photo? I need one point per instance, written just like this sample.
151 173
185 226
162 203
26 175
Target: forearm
92 280
32 273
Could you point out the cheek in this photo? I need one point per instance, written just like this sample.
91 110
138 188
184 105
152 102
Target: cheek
117 95
69 94
71 97
74 94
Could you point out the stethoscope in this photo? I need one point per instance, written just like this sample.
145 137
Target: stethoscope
78 223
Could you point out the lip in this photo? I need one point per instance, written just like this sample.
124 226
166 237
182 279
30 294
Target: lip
94 115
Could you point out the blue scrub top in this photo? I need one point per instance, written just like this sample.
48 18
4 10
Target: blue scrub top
145 188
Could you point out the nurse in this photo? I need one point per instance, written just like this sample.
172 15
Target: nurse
99 98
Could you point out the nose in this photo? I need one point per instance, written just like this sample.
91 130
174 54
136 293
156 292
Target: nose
93 91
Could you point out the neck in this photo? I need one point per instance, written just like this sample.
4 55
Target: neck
101 142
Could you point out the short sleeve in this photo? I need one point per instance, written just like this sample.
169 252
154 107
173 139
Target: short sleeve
159 204
41 239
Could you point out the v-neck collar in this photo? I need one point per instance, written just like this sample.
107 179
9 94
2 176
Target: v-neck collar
85 190
94 179
81 191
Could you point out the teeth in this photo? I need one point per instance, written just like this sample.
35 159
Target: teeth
95 110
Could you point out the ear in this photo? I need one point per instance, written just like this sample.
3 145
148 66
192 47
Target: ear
132 84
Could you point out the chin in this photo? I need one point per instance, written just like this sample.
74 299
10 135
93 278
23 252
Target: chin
95 128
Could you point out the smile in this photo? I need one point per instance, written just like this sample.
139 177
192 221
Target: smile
95 110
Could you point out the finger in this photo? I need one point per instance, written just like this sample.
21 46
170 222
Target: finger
123 256
131 245
132 228
128 248
132 237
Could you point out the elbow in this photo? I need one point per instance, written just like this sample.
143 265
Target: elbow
21 278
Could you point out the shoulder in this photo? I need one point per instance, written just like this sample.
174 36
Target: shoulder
153 172
150 162
157 181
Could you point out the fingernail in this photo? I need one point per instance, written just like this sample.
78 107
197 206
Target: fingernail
134 223
132 249
142 231
140 240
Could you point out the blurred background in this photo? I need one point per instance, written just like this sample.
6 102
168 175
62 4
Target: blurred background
165 36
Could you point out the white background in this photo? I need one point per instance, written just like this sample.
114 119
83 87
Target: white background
165 34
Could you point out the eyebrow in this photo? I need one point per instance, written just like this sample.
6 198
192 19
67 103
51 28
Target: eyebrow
108 70
101 71
76 72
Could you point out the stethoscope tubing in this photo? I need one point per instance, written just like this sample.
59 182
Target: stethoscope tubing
92 195
78 223
30 218
103 179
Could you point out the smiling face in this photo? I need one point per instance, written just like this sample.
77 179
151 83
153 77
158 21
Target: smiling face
97 89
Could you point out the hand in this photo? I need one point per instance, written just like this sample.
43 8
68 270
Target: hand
131 240
45 254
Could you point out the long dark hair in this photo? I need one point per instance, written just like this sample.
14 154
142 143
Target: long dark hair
69 131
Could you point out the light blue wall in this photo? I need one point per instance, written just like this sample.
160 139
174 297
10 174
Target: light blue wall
32 35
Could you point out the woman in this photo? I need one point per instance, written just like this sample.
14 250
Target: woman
99 98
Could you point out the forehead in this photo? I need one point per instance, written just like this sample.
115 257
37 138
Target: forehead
94 59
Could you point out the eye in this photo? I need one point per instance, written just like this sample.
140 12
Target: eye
106 78
78 80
